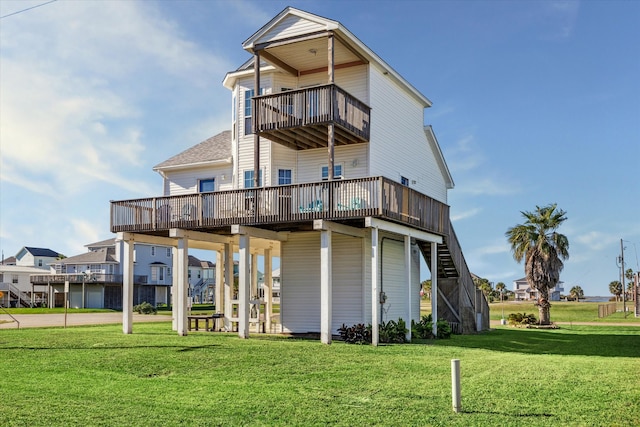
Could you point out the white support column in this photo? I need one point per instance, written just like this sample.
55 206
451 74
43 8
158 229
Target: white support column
325 286
127 287
243 290
254 276
228 285
407 269
268 289
182 285
434 287
219 295
174 288
375 286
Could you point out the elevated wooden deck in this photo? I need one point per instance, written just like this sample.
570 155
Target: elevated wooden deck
298 118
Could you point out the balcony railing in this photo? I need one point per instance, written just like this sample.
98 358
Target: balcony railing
331 200
283 116
75 278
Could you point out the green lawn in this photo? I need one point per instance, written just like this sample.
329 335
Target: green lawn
574 376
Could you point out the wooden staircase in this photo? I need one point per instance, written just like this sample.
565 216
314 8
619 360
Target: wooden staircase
458 298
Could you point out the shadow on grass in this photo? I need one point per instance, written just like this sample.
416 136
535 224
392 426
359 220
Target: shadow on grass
561 342
179 348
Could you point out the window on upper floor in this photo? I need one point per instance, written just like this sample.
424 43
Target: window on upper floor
284 176
404 181
168 252
207 185
248 94
14 278
153 251
96 268
249 176
39 263
337 172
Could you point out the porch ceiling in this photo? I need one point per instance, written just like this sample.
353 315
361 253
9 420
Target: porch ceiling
309 137
310 55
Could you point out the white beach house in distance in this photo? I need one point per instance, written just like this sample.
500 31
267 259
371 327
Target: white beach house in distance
329 167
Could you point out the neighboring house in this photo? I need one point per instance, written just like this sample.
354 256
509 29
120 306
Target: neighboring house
328 165
16 288
524 292
95 277
36 257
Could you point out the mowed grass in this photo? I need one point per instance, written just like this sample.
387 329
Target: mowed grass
578 376
562 311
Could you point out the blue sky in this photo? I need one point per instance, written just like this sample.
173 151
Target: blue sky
534 102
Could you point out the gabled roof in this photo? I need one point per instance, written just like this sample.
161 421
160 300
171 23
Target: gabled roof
102 243
195 262
214 150
101 256
442 164
318 23
9 261
41 252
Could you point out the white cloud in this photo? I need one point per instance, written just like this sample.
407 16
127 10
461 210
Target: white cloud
488 186
464 215
596 240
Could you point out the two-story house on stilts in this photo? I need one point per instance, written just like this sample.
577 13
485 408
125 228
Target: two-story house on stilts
329 167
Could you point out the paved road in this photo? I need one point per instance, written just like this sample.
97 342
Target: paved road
57 319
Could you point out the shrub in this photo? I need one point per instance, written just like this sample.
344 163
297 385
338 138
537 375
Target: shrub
424 328
145 308
356 334
393 332
522 319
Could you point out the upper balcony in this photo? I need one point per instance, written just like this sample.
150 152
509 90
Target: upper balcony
298 118
285 207
89 278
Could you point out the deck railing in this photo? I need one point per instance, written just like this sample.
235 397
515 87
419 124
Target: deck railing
330 200
311 106
76 278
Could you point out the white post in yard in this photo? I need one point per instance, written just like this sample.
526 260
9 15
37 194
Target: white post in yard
127 287
375 287
455 385
325 286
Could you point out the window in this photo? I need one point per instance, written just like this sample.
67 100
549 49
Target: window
284 176
14 279
248 178
153 251
39 263
404 181
96 268
248 94
287 101
168 252
207 185
168 271
337 172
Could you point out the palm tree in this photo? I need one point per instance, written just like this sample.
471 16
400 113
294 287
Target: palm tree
543 249
577 293
501 287
615 288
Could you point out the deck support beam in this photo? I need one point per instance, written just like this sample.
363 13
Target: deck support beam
127 286
182 285
325 286
375 286
255 125
268 289
407 272
228 285
434 287
244 286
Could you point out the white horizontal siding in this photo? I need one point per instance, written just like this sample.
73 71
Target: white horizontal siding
353 159
186 181
290 26
393 279
347 284
399 146
300 283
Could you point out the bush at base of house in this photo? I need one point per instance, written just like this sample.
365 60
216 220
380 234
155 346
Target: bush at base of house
522 319
424 328
145 308
388 332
